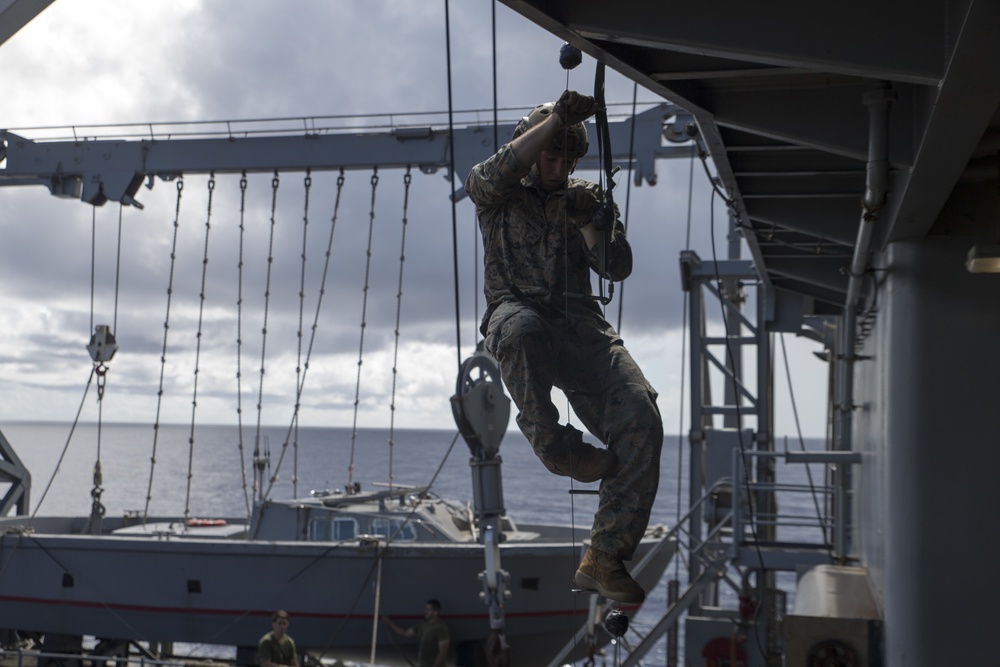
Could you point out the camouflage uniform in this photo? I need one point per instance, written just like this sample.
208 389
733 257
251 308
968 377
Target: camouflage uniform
535 254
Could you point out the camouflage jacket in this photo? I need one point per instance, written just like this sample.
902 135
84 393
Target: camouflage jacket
532 244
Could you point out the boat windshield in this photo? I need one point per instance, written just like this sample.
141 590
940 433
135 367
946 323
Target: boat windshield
395 529
335 529
327 529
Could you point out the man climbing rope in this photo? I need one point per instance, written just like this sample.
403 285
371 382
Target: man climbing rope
542 234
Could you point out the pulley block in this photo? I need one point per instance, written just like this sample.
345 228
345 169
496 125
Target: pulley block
480 406
102 346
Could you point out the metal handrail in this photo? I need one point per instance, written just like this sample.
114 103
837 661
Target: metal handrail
18 655
837 494
294 125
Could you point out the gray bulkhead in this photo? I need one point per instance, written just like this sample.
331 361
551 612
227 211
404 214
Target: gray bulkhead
925 390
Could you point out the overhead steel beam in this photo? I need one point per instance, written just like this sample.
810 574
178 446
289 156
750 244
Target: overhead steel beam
760 34
959 113
98 171
15 14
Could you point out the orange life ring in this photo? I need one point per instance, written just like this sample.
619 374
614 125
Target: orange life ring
202 523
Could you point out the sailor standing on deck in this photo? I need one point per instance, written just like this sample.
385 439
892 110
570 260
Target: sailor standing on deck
433 637
541 236
277 647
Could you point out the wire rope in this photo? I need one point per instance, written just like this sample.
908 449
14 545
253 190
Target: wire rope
307 184
93 260
364 324
163 353
275 182
239 343
118 270
62 455
684 366
100 369
197 352
399 308
802 444
315 326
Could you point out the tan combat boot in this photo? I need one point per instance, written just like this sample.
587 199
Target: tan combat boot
607 575
572 457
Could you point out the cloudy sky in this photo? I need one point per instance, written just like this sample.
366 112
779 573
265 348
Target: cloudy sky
118 61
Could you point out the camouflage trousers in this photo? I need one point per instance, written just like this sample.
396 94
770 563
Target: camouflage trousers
585 357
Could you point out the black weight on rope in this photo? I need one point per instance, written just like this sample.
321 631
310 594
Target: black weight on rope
570 56
616 622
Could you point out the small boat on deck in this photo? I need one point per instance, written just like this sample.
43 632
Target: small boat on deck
335 561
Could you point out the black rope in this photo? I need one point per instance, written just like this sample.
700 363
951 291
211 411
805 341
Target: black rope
451 172
605 181
628 197
496 122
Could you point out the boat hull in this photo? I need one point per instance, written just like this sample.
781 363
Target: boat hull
223 591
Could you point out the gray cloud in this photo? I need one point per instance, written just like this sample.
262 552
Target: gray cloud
262 59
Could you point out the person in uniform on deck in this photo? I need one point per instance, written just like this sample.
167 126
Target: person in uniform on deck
433 637
541 232
277 647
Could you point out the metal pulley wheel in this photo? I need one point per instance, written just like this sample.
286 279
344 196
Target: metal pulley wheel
480 406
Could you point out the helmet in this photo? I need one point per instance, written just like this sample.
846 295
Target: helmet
572 142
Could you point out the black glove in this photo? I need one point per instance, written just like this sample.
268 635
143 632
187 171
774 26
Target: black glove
604 216
573 108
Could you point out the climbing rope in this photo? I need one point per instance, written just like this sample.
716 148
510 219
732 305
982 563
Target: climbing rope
399 307
315 324
163 354
263 340
361 345
197 353
239 343
307 183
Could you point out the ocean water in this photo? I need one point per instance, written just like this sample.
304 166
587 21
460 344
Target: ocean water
203 473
